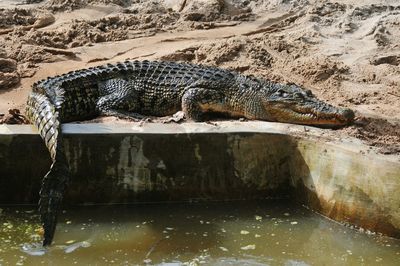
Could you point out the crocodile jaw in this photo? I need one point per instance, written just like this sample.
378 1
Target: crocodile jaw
333 117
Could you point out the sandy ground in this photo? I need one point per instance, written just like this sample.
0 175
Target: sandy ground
346 51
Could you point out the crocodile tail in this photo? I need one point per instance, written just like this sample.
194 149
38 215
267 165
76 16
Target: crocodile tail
45 116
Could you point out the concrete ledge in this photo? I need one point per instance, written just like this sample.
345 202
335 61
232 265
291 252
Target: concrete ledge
340 178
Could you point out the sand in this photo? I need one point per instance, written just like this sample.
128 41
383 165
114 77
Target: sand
346 51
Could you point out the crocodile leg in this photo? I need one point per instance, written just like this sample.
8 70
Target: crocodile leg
196 102
118 100
44 115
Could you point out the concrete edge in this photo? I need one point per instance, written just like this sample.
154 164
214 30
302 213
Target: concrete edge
326 136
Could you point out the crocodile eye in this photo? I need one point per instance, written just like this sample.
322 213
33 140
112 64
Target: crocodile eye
282 93
299 95
309 93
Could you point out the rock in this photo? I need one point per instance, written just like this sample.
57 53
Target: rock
27 70
14 116
7 65
204 10
8 73
8 80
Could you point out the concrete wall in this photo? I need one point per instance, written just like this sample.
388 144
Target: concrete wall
347 184
229 160
122 165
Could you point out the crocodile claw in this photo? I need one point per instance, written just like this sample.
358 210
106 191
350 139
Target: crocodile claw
176 118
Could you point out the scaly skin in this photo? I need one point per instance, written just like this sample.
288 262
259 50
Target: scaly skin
134 88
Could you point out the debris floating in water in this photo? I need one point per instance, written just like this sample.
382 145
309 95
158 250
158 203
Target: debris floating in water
244 232
248 247
73 247
258 218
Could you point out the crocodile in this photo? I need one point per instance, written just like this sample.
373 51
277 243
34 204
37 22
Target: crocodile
134 89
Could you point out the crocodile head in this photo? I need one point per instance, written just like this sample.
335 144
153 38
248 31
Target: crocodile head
292 104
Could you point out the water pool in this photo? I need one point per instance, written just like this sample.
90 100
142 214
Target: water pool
220 233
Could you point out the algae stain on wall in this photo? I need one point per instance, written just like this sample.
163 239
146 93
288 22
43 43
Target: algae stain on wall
259 161
73 152
197 152
132 165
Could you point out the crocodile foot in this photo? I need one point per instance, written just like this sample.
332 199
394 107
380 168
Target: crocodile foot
176 118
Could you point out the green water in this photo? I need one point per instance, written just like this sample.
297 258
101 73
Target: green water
235 233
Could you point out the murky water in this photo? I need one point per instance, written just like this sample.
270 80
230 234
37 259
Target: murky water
235 233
